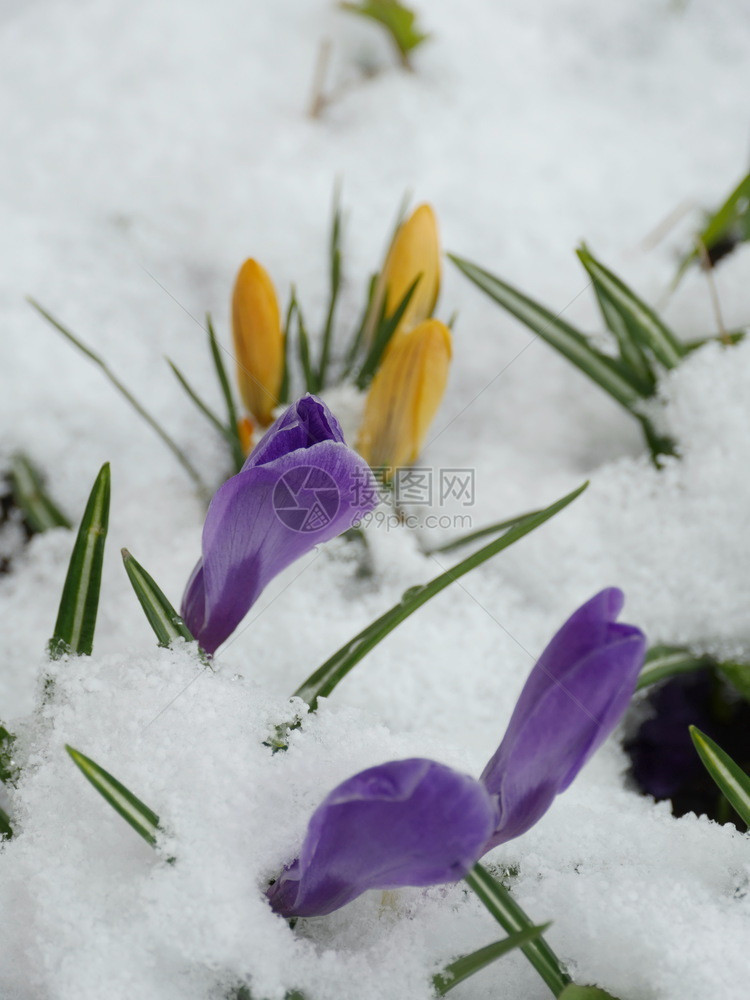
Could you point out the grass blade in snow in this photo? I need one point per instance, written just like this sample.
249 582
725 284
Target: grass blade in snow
326 677
625 311
729 777
8 770
512 918
571 343
178 453
385 329
668 661
162 617
76 619
474 536
39 511
6 830
467 965
143 820
231 431
335 285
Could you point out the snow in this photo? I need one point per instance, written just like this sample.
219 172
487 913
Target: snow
148 148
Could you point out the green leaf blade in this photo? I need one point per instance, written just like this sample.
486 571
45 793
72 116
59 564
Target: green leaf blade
162 617
728 776
39 510
76 618
231 430
512 918
326 677
468 965
636 321
143 820
399 21
556 332
663 662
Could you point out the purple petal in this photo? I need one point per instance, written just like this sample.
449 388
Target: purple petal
304 424
407 822
573 699
271 513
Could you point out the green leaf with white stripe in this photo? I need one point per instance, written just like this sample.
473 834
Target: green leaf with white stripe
632 353
663 662
143 820
460 970
609 373
39 511
729 777
76 618
332 672
162 617
629 316
503 907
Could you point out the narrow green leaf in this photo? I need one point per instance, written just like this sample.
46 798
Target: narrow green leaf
625 312
474 536
383 333
76 618
207 412
8 769
162 617
729 777
399 21
466 966
575 992
571 343
512 918
727 226
355 345
632 353
39 511
667 661
326 677
738 675
143 820
178 453
303 347
285 380
6 830
234 435
335 285
728 339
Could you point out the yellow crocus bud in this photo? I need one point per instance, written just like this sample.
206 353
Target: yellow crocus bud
405 395
415 251
258 340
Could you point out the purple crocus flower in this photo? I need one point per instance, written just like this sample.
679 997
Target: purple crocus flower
416 822
300 486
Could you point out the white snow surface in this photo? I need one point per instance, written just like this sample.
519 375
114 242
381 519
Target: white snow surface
148 148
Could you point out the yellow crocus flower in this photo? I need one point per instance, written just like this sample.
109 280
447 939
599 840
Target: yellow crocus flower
414 252
405 395
258 340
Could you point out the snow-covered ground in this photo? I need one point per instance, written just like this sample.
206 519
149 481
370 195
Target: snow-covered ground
147 149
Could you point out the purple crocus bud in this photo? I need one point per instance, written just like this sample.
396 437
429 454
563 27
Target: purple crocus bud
572 700
416 822
300 486
407 822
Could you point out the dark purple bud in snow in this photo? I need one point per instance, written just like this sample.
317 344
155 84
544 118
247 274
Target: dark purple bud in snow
407 822
416 822
300 486
573 699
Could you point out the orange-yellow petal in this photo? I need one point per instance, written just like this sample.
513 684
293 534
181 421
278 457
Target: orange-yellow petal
405 395
414 252
258 340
